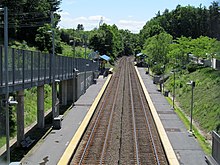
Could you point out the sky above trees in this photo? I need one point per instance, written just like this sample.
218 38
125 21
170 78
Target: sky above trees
131 15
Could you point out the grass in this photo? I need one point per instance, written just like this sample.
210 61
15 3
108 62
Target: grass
206 110
30 106
67 50
202 141
2 141
31 103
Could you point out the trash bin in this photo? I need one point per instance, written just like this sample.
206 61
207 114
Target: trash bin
166 93
57 123
156 79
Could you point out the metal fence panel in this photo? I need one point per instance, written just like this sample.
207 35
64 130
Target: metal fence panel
216 146
31 67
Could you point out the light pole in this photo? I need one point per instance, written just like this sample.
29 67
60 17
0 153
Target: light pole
174 87
6 82
193 84
84 37
53 68
73 42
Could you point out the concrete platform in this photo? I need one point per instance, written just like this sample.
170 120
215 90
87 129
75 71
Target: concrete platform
51 148
185 146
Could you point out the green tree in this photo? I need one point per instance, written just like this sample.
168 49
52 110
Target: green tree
44 39
157 47
179 51
203 46
26 16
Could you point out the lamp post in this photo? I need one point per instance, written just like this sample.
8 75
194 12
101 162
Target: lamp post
163 71
5 9
73 42
84 37
192 83
52 68
174 87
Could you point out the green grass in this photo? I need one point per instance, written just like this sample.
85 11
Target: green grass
206 109
2 141
67 50
30 108
202 141
31 103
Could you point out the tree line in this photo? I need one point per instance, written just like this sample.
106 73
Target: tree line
185 21
30 21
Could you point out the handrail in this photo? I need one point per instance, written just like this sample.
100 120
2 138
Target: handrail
31 68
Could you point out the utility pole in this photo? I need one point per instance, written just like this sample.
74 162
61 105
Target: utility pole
174 87
6 101
53 68
192 83
85 64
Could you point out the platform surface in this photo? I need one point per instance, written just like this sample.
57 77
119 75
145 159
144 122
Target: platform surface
185 146
50 150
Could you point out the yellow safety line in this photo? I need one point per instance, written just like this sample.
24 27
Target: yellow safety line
76 138
171 156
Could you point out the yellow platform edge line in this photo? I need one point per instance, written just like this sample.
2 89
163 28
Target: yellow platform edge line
64 160
171 156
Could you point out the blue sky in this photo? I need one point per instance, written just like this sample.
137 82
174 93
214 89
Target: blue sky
126 14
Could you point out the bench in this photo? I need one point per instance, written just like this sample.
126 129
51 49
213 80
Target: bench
27 142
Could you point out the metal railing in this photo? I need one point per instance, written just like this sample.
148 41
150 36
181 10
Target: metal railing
30 68
216 146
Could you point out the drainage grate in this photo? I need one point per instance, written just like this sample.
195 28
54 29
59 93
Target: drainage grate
172 130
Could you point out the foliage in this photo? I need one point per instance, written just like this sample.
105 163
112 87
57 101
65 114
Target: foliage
157 48
23 45
44 39
113 42
201 139
31 103
185 21
206 99
26 16
202 47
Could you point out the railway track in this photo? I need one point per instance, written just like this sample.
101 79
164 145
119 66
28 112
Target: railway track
122 130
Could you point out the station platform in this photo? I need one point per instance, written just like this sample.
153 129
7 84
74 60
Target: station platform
50 149
185 145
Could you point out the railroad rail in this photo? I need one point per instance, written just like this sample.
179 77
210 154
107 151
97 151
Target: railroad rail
122 130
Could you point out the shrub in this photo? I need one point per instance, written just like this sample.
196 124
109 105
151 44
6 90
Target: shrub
191 67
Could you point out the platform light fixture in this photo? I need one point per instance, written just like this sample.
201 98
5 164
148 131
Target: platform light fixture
193 84
5 10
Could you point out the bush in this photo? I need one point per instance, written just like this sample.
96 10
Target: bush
157 69
192 67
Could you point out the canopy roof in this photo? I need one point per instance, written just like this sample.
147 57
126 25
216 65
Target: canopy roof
139 54
105 57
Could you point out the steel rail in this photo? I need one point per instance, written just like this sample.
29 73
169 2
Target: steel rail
133 118
93 130
110 119
105 100
148 124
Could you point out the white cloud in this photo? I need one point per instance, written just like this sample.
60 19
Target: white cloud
132 25
91 22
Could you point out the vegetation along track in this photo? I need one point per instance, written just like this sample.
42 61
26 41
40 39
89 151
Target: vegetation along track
122 130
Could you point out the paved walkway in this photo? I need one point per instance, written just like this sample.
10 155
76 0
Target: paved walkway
50 149
185 146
